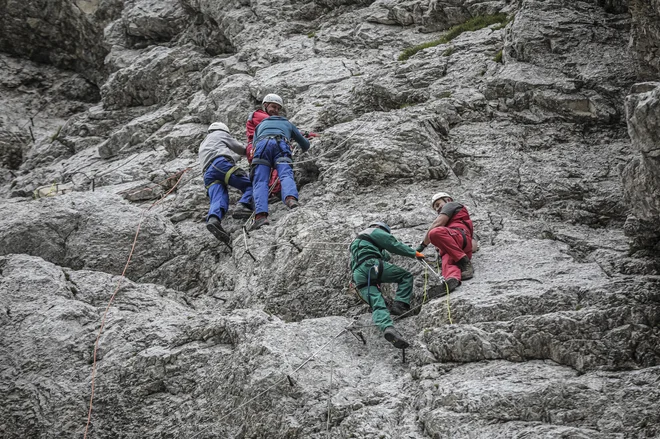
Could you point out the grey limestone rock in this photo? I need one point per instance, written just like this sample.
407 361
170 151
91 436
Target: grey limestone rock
53 32
557 334
145 81
645 33
641 177
153 22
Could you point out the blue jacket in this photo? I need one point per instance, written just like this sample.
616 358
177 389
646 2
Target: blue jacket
280 126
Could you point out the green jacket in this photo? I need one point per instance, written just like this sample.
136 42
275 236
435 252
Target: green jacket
374 244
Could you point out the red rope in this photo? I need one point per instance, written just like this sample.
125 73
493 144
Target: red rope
112 298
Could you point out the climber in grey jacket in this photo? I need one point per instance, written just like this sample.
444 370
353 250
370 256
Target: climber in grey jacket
218 154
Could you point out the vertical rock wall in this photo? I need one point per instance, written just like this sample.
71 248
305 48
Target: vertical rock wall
104 104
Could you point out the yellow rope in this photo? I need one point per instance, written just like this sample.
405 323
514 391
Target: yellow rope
448 307
426 272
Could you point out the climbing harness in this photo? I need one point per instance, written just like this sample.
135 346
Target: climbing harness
228 175
365 259
378 268
463 234
257 160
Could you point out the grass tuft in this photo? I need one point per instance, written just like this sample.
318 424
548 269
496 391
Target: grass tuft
55 136
498 57
503 24
449 51
473 24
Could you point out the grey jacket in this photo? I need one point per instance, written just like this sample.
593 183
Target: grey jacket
219 143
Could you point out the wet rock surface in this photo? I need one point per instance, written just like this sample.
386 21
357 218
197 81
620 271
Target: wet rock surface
543 127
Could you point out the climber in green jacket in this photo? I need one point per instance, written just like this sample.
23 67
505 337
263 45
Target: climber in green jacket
369 256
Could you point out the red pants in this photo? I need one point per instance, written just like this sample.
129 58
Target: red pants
449 243
275 179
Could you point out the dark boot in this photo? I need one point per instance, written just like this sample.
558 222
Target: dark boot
400 308
443 289
394 337
291 202
241 211
260 220
213 225
452 283
467 271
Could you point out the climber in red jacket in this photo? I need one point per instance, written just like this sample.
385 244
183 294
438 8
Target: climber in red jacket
451 233
272 104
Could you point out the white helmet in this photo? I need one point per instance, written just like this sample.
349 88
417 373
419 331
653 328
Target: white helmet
437 196
217 126
274 99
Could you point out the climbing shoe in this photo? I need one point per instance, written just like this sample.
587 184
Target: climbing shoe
394 337
241 211
452 283
400 309
467 271
259 221
213 225
291 202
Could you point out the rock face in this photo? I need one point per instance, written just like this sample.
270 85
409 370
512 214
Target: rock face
641 177
541 126
57 32
645 36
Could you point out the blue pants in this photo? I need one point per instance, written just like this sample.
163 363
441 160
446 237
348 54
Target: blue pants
218 192
278 156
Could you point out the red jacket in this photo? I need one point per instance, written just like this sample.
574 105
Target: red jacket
254 119
461 219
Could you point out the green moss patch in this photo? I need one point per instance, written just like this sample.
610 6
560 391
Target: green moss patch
474 23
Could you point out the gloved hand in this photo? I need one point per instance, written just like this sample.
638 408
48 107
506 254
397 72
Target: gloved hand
307 134
420 248
419 255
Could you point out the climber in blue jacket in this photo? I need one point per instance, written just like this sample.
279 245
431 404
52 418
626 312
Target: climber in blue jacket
273 150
